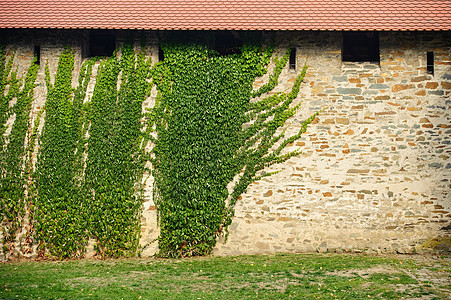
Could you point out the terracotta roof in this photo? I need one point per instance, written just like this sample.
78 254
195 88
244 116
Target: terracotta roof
228 14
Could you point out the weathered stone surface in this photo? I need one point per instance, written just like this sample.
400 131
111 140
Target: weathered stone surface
399 87
340 78
378 86
375 172
419 78
349 91
268 193
431 85
344 121
446 85
438 93
358 171
382 97
421 93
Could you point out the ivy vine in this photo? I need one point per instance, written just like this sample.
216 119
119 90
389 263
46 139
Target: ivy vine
115 163
12 165
7 77
208 131
208 127
60 207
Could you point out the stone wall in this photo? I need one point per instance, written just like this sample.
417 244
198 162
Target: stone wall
375 171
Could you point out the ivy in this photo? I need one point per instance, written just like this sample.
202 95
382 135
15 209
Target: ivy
208 131
115 163
12 165
208 127
60 204
7 77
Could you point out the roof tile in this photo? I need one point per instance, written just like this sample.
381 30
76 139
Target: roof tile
228 15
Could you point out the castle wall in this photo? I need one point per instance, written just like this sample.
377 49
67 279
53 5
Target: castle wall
375 171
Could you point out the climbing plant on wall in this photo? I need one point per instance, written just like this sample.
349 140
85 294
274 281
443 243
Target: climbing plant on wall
99 196
208 131
61 207
115 161
6 78
12 152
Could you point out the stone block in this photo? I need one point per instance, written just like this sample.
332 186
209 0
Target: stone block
419 78
349 91
437 93
385 97
378 86
358 171
344 121
431 85
446 85
400 87
262 246
371 67
371 92
340 78
421 93
268 193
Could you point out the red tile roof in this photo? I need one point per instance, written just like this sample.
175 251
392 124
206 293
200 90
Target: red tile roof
228 14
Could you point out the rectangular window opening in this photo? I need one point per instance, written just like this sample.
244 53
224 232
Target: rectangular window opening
430 62
292 61
101 43
227 43
360 46
160 54
37 55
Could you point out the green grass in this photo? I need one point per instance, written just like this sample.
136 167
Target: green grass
310 276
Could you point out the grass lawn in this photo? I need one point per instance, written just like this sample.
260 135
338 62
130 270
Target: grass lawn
309 276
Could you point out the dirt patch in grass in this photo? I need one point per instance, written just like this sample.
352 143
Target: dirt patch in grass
364 273
434 272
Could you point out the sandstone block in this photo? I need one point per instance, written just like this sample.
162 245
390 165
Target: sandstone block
344 121
431 85
446 85
268 193
419 78
399 87
262 246
358 171
382 113
329 121
385 97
